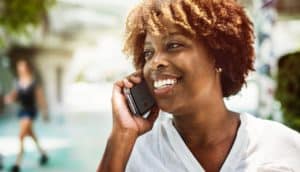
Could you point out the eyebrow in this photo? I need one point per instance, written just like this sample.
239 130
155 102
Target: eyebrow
176 33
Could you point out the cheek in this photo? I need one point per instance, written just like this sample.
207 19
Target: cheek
199 74
201 64
146 72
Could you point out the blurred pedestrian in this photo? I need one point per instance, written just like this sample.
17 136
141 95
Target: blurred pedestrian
28 93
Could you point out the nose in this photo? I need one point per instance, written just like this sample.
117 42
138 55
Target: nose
159 62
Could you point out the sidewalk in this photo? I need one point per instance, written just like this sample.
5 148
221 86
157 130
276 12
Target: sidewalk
74 143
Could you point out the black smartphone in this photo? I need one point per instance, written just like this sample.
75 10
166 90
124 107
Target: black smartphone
139 98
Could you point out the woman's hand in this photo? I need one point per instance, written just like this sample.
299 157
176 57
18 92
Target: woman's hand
126 127
10 98
123 120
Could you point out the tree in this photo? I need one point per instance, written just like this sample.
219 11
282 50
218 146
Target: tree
288 89
16 16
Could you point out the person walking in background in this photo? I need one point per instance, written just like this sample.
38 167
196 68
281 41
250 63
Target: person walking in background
30 96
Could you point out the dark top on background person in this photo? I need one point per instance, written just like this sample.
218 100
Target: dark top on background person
26 97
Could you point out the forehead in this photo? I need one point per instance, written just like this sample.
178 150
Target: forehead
172 31
164 25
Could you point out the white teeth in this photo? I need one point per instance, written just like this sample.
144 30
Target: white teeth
164 83
160 83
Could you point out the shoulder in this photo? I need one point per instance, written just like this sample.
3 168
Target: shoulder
270 129
36 85
36 82
271 142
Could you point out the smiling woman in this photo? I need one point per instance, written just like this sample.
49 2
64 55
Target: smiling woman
221 25
192 54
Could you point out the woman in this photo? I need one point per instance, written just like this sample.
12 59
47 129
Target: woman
193 54
29 94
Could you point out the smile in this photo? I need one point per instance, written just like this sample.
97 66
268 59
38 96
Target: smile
164 83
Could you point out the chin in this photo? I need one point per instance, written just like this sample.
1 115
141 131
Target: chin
168 107
164 107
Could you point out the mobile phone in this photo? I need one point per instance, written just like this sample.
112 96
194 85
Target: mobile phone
139 98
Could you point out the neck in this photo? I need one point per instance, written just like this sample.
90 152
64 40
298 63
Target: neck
207 124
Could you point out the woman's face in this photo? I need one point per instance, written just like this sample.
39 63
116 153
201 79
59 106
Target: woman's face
178 70
22 67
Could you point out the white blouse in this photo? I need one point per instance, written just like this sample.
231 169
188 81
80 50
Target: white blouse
260 145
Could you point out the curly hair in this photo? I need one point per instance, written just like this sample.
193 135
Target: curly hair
222 25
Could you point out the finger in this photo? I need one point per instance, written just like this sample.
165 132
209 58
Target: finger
118 86
117 91
135 79
138 73
118 99
127 83
146 124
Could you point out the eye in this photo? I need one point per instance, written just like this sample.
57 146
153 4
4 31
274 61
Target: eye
173 45
147 54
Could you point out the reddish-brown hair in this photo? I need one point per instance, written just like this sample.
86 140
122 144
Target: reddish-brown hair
222 25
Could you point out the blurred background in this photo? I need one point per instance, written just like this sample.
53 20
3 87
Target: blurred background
75 47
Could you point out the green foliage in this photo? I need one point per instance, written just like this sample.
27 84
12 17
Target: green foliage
17 15
288 89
